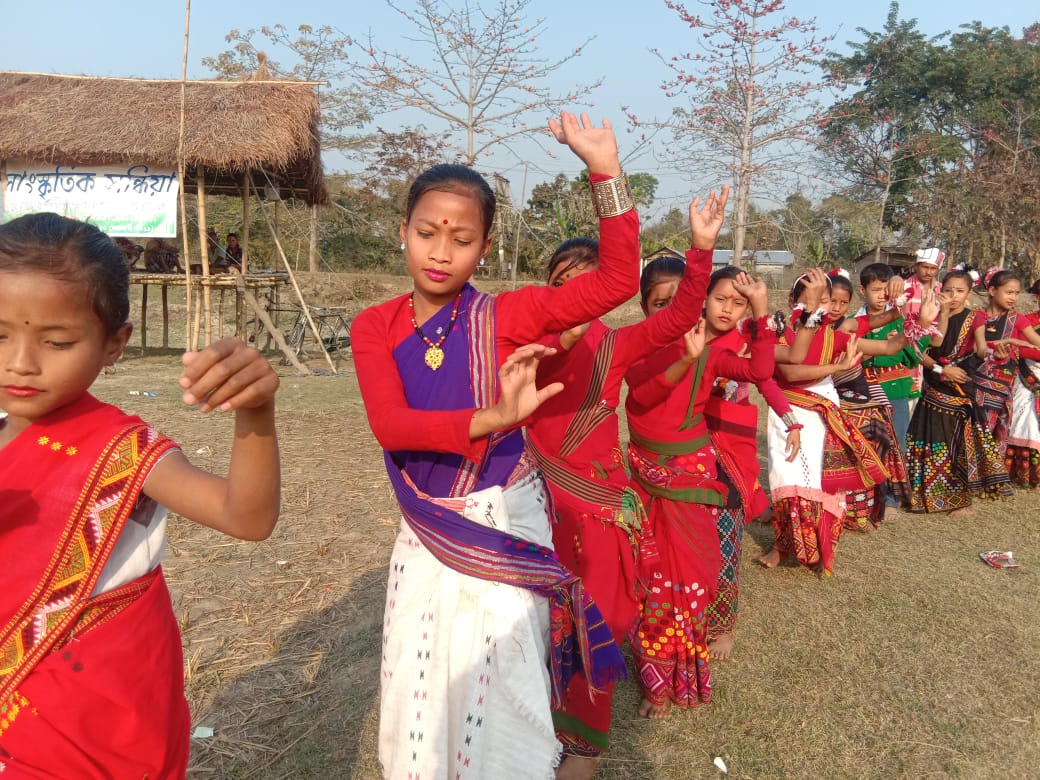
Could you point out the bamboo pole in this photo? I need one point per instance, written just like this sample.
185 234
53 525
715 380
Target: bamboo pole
296 287
245 221
165 316
276 334
144 316
186 255
198 317
207 302
312 249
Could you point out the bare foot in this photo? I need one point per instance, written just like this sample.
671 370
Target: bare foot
577 768
766 517
654 711
721 647
964 511
771 559
891 513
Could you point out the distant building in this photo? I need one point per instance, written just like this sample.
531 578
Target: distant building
762 260
775 266
662 251
901 258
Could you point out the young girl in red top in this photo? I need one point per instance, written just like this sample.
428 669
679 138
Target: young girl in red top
997 343
1023 452
733 422
809 493
91 678
447 375
866 405
674 470
574 437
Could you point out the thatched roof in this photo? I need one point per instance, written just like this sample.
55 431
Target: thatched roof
230 127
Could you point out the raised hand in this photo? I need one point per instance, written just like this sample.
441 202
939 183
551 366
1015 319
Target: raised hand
707 221
755 291
596 146
570 337
518 394
227 375
851 357
694 340
815 288
896 289
931 305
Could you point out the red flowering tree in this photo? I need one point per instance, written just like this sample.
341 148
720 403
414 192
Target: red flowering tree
750 94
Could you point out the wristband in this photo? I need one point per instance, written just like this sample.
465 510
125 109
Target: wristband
937 368
612 197
795 427
815 319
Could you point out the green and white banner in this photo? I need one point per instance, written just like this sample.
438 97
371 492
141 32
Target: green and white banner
122 200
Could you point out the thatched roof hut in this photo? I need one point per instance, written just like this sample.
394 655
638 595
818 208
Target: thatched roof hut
266 128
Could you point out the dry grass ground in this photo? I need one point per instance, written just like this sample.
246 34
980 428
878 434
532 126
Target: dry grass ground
914 660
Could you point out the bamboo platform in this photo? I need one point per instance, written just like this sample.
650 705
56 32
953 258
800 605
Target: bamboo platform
265 286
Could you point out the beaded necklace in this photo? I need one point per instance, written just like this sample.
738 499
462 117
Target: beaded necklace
434 354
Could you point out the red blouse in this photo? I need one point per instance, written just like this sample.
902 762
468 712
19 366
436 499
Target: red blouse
521 317
827 344
599 453
657 409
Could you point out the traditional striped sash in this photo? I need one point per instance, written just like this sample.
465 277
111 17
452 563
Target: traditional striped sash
591 412
483 379
863 456
60 605
629 514
560 475
582 641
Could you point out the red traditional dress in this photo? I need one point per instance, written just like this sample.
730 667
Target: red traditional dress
466 635
809 494
674 470
574 437
91 673
995 378
1023 452
733 421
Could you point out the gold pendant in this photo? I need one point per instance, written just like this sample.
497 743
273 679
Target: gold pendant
434 357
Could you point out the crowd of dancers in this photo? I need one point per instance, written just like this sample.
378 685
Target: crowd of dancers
535 544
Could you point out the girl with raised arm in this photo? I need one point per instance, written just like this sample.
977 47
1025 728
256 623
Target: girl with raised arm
574 438
448 375
809 493
675 471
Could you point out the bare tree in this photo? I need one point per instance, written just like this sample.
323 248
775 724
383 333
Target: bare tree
313 54
478 71
749 89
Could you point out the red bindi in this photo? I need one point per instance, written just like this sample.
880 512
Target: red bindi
445 222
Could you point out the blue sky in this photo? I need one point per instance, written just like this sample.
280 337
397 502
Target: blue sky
146 39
